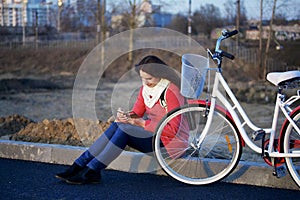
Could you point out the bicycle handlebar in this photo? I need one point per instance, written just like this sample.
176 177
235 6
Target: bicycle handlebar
227 55
219 54
229 34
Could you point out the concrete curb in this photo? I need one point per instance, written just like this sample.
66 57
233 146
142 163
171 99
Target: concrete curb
249 173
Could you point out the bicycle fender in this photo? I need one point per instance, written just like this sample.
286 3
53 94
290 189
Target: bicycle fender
221 109
283 128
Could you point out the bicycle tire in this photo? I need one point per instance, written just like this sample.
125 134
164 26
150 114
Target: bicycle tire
214 160
291 143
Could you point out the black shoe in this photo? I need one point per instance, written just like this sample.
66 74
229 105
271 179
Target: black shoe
86 176
70 172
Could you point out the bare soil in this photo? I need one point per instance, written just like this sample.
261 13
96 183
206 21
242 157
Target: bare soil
36 94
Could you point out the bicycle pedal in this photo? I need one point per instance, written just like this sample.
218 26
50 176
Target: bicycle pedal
280 172
258 135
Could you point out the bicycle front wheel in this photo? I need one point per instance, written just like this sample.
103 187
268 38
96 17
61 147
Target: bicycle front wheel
291 144
183 157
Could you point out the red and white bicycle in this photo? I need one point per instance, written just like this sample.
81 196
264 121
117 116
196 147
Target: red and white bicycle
216 135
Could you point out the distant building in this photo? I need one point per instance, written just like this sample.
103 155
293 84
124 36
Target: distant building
148 14
287 32
16 13
217 32
281 32
162 19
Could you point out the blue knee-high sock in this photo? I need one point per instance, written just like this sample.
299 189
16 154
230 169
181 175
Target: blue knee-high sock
84 159
98 146
111 151
96 165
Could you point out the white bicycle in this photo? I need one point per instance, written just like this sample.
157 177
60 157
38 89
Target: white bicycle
208 141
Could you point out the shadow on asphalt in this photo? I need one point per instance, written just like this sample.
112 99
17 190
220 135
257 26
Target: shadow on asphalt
33 180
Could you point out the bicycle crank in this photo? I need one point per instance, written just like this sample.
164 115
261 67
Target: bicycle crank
280 171
277 161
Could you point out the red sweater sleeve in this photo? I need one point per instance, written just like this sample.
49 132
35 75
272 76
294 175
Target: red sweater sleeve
139 106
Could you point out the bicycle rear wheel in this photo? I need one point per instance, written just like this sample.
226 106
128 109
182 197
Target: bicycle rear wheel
291 144
183 158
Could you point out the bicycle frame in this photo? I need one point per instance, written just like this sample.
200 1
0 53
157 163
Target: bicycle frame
280 105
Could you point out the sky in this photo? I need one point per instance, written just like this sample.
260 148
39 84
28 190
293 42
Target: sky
291 8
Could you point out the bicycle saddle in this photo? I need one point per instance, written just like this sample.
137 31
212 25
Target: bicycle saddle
282 78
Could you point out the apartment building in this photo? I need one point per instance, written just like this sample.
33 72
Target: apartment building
16 13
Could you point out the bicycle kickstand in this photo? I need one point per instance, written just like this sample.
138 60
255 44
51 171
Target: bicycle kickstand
279 171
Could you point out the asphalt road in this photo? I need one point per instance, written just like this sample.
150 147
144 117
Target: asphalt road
34 180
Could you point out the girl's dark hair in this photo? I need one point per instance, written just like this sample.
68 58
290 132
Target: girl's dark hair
158 68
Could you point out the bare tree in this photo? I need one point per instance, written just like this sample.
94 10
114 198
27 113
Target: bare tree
179 23
276 5
130 14
127 15
207 18
231 13
270 35
280 19
86 12
69 20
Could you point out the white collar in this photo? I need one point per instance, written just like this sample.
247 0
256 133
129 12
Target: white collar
152 95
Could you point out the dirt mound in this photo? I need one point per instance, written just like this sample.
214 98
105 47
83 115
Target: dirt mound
79 132
13 124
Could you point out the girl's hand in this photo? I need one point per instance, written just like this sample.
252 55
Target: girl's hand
137 121
122 116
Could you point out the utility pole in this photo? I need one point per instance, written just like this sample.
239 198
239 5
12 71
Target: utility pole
98 19
60 6
24 21
103 25
36 29
260 41
103 31
132 26
238 21
190 22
